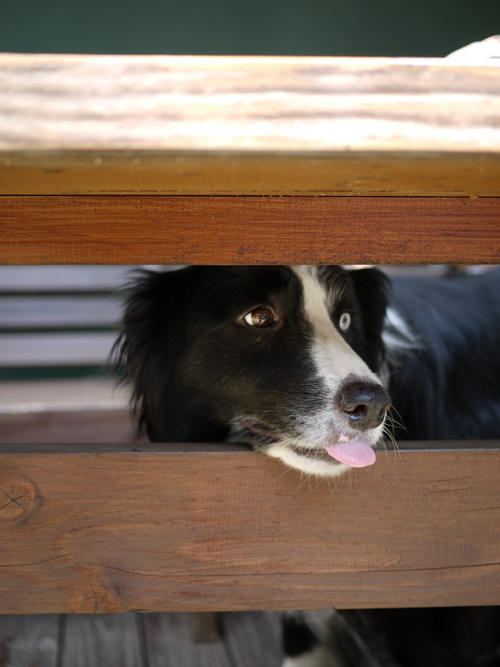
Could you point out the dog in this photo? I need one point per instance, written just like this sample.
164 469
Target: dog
304 364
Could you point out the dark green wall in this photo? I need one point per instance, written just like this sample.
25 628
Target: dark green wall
287 27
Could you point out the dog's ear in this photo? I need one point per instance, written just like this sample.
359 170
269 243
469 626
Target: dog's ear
372 290
151 342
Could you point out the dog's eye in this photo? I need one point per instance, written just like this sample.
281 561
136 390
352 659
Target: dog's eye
345 321
260 317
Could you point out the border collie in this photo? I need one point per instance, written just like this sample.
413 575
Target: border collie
303 363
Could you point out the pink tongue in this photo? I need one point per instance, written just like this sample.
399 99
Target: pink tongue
353 453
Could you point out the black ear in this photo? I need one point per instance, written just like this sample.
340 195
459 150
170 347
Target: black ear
150 343
372 290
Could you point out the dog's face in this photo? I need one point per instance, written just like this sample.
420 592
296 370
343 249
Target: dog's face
283 358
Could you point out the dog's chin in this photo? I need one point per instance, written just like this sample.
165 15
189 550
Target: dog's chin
314 458
313 461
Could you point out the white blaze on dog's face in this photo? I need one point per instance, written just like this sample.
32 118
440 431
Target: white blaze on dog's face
335 437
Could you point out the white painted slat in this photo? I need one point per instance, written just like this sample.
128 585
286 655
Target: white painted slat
63 278
81 395
69 349
59 311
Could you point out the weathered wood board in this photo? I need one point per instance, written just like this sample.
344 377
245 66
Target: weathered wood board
248 125
172 528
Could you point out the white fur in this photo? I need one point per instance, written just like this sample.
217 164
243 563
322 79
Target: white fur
397 334
320 622
334 360
320 656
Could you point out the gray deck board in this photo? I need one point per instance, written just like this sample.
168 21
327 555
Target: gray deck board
248 639
253 638
169 644
110 640
29 641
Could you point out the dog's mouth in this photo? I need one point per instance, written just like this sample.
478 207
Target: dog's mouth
260 429
337 450
354 453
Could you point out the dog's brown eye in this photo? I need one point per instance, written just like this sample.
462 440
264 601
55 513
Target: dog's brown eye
260 317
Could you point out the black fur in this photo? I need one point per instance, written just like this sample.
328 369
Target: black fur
449 388
194 366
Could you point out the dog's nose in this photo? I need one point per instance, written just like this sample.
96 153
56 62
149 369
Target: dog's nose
363 403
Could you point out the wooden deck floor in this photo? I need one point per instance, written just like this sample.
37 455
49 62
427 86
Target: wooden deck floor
248 639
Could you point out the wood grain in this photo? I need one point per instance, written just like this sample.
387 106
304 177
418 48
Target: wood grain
161 529
56 102
349 173
247 125
253 230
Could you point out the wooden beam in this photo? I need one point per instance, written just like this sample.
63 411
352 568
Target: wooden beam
199 528
248 125
214 173
249 230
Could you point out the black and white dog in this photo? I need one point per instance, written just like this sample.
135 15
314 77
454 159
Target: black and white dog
303 363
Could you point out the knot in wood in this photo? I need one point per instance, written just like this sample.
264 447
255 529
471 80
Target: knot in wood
17 498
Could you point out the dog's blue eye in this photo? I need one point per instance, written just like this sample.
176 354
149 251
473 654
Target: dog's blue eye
260 317
345 321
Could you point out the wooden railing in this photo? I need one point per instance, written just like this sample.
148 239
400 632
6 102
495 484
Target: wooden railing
240 160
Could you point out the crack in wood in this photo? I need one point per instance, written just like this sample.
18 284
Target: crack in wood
13 500
39 562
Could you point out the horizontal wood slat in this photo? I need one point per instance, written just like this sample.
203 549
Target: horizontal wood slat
56 102
253 230
248 125
55 349
46 312
50 427
88 530
60 279
215 173
59 396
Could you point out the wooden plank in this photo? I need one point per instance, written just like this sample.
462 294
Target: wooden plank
353 174
29 640
91 426
169 644
166 529
236 103
84 394
48 279
254 230
253 638
55 349
262 125
56 311
112 640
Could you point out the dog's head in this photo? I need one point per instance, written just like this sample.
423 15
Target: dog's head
284 358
